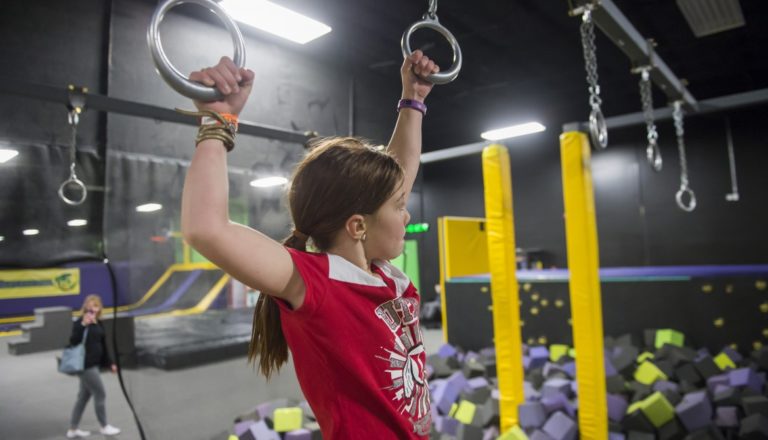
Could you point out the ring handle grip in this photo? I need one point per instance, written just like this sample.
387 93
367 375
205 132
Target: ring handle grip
684 190
169 73
73 180
429 23
598 129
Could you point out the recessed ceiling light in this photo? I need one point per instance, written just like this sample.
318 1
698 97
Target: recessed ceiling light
266 182
149 207
30 231
276 20
513 131
6 154
2 238
77 222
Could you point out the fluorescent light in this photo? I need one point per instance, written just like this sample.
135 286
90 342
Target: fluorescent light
266 182
276 19
2 238
6 155
30 231
513 131
149 207
77 222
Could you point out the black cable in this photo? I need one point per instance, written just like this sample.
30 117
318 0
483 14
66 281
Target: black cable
113 283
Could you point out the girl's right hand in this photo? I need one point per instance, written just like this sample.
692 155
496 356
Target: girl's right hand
87 319
235 84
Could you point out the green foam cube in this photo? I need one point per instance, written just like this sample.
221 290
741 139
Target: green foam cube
724 361
556 351
572 353
669 336
288 419
657 409
465 412
647 373
644 357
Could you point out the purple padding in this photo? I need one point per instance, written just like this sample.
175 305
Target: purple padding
665 385
174 297
243 427
446 351
617 407
299 434
560 427
531 415
261 431
558 402
714 381
694 411
616 436
556 385
538 355
727 417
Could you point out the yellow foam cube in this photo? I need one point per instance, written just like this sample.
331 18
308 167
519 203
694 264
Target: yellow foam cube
452 412
647 373
644 357
657 409
556 351
514 434
724 361
465 412
288 419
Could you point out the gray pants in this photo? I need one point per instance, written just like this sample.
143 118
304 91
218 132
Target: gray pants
90 385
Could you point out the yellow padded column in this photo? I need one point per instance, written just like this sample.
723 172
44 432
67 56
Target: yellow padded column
583 264
500 230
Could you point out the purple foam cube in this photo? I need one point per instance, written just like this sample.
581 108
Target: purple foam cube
610 370
526 363
616 436
429 370
261 431
446 351
740 377
570 369
530 392
445 395
665 385
727 417
757 382
733 354
243 427
531 415
447 425
489 352
491 433
539 435
552 368
538 355
694 411
560 427
617 407
558 402
720 379
574 388
299 434
556 386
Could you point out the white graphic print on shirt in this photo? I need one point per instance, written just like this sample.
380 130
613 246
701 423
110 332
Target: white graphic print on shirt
404 361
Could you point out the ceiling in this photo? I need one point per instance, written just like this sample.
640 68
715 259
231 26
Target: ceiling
523 58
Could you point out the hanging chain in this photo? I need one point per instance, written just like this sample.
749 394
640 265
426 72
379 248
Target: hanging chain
590 56
75 107
733 196
74 120
646 97
677 116
432 12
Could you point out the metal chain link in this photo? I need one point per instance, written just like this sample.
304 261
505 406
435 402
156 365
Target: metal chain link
677 116
646 97
74 120
590 56
432 13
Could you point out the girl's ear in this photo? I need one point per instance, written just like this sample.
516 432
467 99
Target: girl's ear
355 226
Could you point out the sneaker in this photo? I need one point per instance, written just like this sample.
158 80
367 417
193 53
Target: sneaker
75 433
110 430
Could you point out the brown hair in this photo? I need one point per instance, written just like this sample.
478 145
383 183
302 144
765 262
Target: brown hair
89 299
338 178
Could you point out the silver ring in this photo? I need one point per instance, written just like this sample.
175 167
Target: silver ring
598 129
653 152
440 77
691 202
77 182
169 73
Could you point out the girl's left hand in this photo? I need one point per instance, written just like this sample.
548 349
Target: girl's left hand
415 68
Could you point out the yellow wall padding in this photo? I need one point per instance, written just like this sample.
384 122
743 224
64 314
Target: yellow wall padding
466 248
500 229
583 264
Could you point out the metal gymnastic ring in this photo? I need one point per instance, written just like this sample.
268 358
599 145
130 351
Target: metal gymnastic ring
598 129
170 74
430 23
653 152
73 180
679 198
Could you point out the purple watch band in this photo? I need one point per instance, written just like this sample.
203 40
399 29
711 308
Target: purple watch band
410 103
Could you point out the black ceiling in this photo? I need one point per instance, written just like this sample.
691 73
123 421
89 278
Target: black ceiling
523 58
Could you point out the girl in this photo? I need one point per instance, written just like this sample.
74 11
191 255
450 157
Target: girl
96 356
349 317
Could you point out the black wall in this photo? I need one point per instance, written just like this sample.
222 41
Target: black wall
638 220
